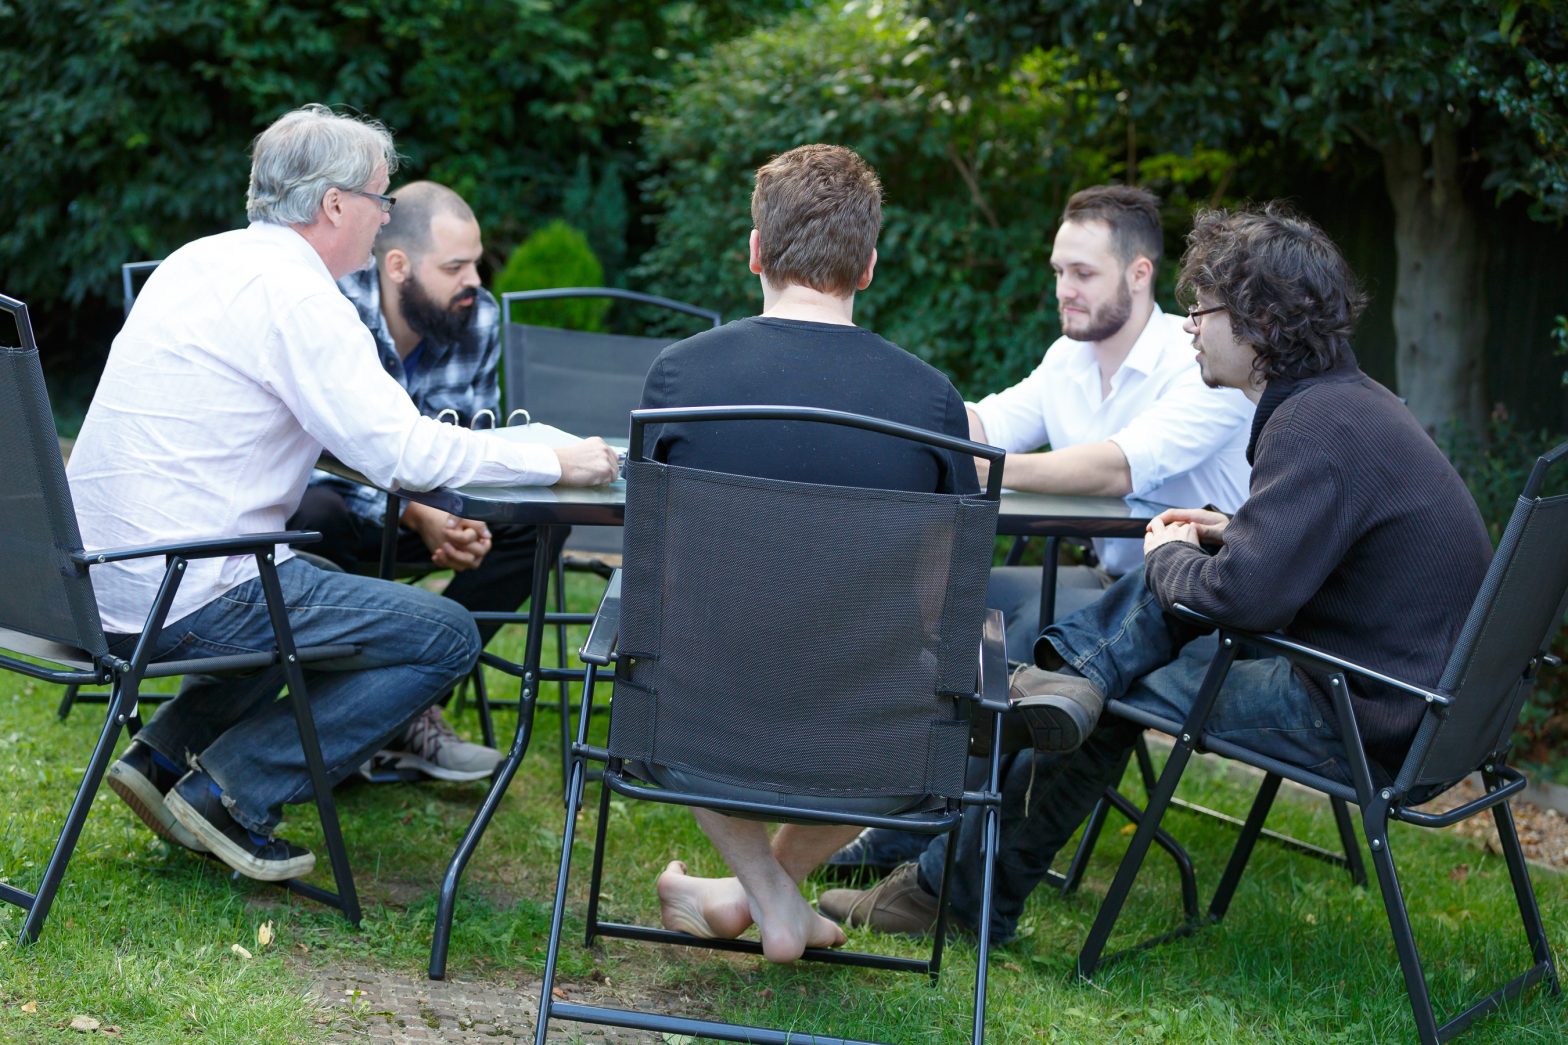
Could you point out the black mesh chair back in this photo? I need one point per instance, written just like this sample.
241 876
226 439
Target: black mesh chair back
583 382
772 630
1519 608
46 596
132 275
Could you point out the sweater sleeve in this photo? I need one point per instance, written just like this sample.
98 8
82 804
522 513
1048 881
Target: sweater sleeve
1280 546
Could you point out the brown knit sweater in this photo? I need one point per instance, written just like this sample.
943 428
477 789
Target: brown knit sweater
1357 537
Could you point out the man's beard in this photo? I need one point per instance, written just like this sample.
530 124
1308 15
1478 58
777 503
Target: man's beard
433 322
1105 321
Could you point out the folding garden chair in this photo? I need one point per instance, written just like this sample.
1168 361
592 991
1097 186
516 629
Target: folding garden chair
820 644
1470 716
48 614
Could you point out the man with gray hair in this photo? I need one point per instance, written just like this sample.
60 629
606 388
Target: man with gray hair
238 365
438 336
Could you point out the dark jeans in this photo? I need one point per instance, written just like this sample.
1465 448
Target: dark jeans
413 646
1125 644
500 583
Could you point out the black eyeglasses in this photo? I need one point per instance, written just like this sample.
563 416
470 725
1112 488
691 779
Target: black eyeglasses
384 202
1198 313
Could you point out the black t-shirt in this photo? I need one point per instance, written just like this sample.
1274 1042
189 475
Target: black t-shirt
787 362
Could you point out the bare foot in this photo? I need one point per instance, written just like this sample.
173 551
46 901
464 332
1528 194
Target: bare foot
712 908
792 927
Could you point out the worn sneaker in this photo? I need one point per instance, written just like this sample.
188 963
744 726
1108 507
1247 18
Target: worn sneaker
142 777
197 803
430 747
896 904
876 851
1060 709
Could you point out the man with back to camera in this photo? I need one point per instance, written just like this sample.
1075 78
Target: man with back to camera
817 210
239 363
438 334
1332 547
1125 412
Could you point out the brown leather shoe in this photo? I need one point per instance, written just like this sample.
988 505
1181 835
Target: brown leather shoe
896 904
1060 710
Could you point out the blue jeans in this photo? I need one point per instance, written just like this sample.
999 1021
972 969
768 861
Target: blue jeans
413 645
1126 645
1015 590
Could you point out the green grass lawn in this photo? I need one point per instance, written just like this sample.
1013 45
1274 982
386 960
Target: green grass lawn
141 936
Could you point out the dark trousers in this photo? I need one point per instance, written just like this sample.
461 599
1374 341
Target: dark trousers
501 582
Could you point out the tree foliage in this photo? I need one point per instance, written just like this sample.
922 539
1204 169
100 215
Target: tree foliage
975 178
1444 97
128 122
555 255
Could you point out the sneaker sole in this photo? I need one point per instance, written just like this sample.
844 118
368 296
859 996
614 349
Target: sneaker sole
1053 727
408 761
221 846
150 806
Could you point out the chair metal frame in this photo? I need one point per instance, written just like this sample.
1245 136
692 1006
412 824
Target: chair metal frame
601 651
88 661
1378 804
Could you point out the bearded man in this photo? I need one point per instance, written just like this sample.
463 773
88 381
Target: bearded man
437 333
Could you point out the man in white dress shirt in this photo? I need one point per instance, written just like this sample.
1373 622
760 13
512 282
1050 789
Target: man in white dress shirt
240 362
1122 405
1118 399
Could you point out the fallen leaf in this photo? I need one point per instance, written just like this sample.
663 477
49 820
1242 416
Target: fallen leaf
1460 872
113 1030
85 1024
1311 919
1127 829
558 993
242 952
264 934
31 1006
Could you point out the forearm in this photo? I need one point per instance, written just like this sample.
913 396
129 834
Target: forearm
1092 469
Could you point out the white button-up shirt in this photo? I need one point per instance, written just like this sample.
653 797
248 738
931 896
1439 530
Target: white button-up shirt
1185 443
239 363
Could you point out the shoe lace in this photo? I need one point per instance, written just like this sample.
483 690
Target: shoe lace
428 733
868 899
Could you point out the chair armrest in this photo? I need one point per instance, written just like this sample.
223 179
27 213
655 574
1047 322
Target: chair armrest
1295 650
249 542
606 628
993 662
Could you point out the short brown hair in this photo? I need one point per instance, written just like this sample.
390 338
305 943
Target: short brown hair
1287 288
817 210
1133 215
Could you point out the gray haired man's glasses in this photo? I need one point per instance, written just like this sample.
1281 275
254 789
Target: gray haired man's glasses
384 202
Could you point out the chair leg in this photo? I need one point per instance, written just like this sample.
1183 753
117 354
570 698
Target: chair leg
992 842
1347 841
1524 892
123 696
1244 845
558 912
590 930
67 701
347 898
482 705
1086 843
1374 821
1111 906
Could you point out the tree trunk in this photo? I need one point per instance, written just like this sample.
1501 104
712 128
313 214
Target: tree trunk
1439 290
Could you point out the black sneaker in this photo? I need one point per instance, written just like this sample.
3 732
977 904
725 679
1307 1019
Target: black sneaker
876 851
142 777
197 803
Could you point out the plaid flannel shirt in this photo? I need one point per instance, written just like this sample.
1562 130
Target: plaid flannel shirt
458 376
